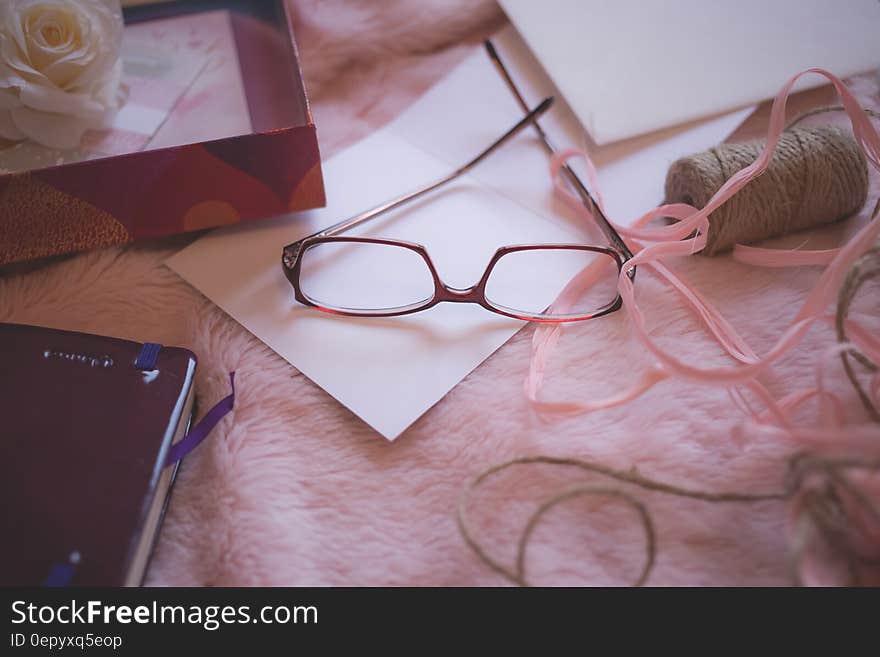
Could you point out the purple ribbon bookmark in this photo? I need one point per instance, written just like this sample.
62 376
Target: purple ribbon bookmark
60 575
148 356
203 427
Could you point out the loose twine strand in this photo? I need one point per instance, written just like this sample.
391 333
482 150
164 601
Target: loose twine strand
632 476
827 505
866 268
822 509
824 110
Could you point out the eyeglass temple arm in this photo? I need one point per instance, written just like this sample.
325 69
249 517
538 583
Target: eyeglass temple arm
346 224
610 233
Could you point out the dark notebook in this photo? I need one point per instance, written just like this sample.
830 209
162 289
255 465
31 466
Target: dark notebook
86 424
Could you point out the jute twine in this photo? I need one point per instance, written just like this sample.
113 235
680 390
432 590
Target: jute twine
823 490
816 175
828 505
866 268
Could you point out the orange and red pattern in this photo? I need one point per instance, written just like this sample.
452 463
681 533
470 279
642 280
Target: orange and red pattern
156 193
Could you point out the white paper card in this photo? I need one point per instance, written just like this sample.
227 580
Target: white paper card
629 67
391 371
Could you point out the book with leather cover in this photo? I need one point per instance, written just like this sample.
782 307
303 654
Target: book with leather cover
86 425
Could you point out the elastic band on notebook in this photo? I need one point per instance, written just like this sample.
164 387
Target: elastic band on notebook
61 574
199 432
146 360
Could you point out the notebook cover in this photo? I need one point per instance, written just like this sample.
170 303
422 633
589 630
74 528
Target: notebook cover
85 436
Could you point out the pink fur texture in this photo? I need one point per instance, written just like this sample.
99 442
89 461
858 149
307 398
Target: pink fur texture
292 489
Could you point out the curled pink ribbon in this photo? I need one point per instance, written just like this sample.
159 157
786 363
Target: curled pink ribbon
688 235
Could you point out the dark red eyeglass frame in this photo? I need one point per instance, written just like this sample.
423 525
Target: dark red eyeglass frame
443 292
291 259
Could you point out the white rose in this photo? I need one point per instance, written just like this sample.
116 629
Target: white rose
60 72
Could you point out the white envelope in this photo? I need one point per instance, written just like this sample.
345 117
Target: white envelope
391 371
628 67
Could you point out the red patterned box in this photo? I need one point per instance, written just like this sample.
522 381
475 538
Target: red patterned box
221 169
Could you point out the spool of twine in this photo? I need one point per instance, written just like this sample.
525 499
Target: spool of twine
816 176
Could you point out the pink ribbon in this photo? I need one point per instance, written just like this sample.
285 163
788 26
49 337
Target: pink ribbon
651 246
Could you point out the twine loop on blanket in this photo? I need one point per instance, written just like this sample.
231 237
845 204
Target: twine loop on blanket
816 175
866 268
828 507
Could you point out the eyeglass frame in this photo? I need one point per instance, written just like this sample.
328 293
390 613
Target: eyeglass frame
443 292
291 259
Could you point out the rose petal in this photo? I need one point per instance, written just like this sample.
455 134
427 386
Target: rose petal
67 71
11 20
8 77
8 100
53 34
17 62
8 130
47 99
52 130
105 47
41 54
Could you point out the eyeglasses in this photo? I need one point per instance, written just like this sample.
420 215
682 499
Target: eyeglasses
374 277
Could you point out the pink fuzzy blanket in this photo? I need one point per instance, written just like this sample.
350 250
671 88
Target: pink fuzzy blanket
292 489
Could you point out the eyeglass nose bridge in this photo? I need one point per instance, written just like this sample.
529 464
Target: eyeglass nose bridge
473 294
